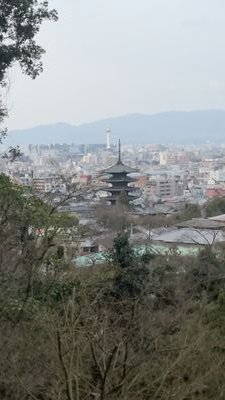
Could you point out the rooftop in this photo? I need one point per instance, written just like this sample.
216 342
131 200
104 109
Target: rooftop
129 197
219 218
202 223
191 236
119 168
113 189
118 179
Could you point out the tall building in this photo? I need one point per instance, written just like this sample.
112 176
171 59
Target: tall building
108 132
119 180
165 186
167 158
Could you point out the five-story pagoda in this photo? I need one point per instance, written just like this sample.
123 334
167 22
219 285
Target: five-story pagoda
119 181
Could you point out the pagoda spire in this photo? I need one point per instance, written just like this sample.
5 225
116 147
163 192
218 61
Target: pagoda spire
119 158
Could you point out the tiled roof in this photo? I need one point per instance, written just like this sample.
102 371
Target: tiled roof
191 236
119 168
202 223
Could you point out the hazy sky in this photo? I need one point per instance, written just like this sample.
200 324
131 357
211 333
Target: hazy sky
112 57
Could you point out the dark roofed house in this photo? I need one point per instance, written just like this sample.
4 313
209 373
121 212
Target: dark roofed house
119 181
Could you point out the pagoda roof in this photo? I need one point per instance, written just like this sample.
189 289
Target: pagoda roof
119 189
117 179
119 168
114 197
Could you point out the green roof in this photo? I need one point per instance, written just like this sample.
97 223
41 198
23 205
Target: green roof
160 249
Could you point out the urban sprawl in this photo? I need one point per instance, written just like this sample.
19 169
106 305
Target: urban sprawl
158 192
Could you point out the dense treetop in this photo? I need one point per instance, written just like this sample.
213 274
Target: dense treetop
20 21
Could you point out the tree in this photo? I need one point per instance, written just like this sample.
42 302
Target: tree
131 272
29 232
75 340
115 219
215 207
190 211
123 253
20 22
206 276
123 199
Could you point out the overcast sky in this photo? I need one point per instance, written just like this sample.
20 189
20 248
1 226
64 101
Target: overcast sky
112 57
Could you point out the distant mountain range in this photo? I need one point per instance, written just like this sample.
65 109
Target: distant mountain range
181 127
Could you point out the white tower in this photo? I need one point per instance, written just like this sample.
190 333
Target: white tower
108 132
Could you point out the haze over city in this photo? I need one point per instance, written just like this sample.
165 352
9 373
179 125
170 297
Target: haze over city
110 58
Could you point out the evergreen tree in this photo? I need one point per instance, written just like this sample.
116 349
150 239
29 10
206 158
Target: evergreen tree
131 272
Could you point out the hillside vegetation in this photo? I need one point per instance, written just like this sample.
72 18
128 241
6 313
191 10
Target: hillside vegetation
139 327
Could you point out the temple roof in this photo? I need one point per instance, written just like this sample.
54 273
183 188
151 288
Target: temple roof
120 189
119 168
114 197
119 179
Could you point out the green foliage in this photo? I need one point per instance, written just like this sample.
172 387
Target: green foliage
206 275
131 281
215 207
132 273
29 236
123 253
190 211
19 205
147 257
55 290
215 316
11 308
3 114
20 21
75 338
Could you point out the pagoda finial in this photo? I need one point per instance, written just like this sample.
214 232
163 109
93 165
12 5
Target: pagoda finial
119 158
